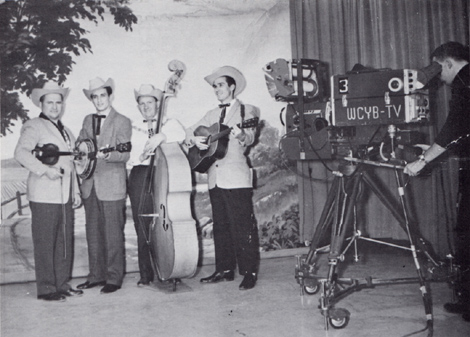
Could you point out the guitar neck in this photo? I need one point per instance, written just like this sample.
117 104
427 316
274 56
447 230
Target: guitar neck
247 124
221 134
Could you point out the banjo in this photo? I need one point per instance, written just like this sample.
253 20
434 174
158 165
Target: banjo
85 162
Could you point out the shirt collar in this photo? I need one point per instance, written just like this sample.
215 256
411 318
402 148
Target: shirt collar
59 123
232 102
104 112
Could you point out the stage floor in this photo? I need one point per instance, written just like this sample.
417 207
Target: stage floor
273 308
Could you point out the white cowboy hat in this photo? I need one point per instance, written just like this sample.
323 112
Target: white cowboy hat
49 87
98 83
148 90
234 73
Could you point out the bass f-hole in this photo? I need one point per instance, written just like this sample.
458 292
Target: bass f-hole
173 238
164 223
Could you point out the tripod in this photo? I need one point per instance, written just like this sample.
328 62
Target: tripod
339 214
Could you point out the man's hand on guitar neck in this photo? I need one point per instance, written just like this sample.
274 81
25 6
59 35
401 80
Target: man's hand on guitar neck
238 133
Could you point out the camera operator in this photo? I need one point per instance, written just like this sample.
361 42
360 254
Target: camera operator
453 57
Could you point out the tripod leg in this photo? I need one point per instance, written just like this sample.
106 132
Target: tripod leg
404 222
393 207
325 219
427 299
344 217
305 272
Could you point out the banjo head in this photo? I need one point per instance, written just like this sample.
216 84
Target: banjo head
84 163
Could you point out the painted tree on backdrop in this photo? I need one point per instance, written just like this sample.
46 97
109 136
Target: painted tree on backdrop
38 40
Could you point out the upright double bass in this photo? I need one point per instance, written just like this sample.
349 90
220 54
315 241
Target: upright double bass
173 236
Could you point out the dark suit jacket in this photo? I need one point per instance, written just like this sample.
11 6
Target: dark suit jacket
110 174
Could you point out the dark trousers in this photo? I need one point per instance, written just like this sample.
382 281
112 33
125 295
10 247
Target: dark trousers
137 195
105 222
462 231
53 246
235 230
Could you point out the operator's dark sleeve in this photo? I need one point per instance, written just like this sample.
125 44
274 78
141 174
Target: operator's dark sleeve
457 125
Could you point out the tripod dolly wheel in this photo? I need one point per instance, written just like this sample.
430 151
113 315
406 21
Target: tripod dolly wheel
312 290
339 318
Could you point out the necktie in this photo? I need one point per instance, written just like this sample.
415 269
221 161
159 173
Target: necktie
222 113
97 118
59 126
150 126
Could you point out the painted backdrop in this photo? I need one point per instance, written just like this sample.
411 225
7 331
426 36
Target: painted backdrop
204 35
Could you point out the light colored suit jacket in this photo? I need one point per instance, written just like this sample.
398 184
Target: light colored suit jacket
40 188
110 176
232 171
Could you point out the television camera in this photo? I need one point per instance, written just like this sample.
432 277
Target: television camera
362 118
365 113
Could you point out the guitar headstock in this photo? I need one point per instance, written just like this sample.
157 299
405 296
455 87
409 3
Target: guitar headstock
178 69
250 123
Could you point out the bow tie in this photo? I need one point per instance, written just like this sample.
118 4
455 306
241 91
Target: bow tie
222 113
149 120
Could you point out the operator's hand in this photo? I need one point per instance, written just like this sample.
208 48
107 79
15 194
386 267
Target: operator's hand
238 133
414 168
423 147
54 173
201 142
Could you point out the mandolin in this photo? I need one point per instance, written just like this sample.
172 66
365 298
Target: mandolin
49 153
217 138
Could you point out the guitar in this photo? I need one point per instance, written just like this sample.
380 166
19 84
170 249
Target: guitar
216 134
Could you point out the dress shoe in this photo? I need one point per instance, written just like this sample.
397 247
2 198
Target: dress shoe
52 297
109 288
71 292
466 317
89 285
218 276
170 281
248 282
143 282
457 308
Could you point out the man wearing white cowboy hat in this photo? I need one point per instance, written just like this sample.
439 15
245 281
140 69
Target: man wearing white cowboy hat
104 193
144 143
230 182
52 191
